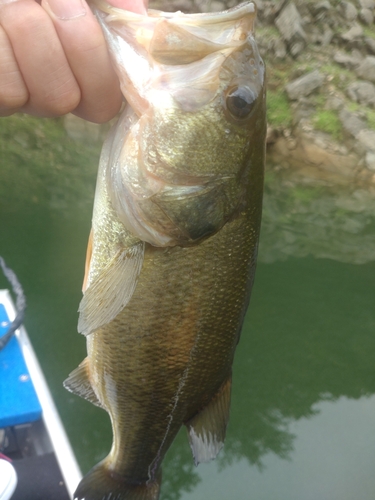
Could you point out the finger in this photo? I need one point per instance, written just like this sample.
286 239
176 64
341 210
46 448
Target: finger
50 82
13 90
85 49
139 6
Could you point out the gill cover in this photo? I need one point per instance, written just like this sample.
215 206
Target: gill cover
175 71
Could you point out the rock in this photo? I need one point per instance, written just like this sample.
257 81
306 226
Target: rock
366 69
279 48
175 5
271 135
351 122
335 103
354 34
367 4
349 11
370 44
321 7
260 4
370 160
270 11
289 23
366 138
327 36
216 6
362 92
346 60
304 85
366 16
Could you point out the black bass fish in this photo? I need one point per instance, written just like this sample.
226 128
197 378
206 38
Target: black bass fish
172 251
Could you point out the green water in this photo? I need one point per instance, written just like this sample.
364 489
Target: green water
303 406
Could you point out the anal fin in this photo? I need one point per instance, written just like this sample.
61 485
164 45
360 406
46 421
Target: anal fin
79 383
207 428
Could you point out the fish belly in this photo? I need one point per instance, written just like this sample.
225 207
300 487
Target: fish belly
168 352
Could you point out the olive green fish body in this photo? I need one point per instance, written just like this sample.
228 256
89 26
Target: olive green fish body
172 252
175 343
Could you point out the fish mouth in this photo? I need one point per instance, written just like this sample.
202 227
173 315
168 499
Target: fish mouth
154 53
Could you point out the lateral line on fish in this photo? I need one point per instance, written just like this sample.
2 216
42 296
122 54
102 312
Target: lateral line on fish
153 466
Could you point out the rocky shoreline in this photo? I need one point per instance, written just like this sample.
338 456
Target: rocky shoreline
320 58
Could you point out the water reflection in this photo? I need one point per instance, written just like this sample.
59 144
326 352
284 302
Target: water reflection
308 339
309 216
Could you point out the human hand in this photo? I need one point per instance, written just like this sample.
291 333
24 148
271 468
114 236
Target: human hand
54 60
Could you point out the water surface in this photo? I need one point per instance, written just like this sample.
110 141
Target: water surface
303 407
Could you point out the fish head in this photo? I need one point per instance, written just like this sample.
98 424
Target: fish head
195 84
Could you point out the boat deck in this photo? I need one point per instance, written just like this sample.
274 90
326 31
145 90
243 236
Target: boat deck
31 433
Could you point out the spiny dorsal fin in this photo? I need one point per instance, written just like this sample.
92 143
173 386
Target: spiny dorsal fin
111 290
79 383
207 429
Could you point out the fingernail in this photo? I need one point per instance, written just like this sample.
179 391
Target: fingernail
67 9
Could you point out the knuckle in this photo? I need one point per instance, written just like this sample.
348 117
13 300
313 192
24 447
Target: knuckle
12 96
63 99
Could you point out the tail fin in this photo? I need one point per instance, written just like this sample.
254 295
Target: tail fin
100 484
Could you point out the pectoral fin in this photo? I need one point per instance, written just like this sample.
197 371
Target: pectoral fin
111 290
207 429
79 383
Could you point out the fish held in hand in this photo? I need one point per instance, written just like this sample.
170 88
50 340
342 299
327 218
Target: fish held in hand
172 251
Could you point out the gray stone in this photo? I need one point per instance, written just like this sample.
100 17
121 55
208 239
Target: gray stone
370 160
346 60
321 7
216 6
289 23
304 85
370 45
362 92
327 36
351 122
366 69
366 16
355 33
367 4
270 11
349 11
335 103
366 138
279 48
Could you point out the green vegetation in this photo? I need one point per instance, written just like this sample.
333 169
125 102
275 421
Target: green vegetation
268 32
370 114
328 121
341 77
370 32
39 162
278 109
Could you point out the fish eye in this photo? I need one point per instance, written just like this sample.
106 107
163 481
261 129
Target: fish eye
240 101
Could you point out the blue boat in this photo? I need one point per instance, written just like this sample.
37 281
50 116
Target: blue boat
36 459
